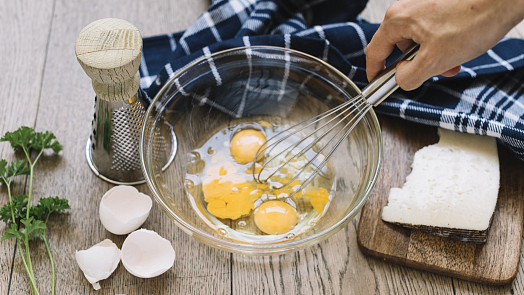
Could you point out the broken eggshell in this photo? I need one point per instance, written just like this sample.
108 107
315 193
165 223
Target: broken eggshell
146 254
99 261
123 209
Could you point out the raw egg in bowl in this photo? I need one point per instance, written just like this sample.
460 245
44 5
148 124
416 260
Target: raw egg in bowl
222 114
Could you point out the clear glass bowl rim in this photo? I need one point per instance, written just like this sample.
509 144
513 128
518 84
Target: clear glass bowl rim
259 249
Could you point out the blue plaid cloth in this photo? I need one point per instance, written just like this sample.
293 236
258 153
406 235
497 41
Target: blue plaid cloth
486 97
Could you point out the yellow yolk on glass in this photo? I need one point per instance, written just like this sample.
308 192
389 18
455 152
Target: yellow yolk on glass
245 144
228 200
228 195
318 198
230 191
275 217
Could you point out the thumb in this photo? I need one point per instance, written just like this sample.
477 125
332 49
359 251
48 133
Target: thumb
411 74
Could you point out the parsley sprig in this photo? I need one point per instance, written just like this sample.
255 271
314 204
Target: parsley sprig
25 221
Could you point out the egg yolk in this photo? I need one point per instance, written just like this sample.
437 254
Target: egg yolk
275 217
229 200
245 144
318 198
227 194
230 191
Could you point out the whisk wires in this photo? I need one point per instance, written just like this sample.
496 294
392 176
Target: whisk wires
337 122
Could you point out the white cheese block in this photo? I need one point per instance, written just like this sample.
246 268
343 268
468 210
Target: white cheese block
453 184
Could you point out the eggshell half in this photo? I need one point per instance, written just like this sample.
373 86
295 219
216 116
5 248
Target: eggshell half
146 254
99 261
123 209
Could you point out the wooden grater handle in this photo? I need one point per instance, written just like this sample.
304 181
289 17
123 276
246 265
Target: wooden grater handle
109 50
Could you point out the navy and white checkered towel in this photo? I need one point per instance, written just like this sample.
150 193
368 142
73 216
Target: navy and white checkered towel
486 97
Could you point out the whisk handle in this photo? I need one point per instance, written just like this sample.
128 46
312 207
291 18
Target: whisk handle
384 84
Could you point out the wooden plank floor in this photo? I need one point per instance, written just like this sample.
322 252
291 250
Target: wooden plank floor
44 87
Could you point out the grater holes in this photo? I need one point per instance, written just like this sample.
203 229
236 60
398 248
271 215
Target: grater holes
92 137
126 135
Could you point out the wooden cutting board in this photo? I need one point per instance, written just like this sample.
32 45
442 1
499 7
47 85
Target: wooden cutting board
495 262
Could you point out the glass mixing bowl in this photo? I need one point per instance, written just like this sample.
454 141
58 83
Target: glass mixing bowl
240 85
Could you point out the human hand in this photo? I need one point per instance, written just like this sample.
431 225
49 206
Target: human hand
450 32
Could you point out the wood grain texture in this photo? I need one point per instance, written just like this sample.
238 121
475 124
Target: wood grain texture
201 268
20 89
43 86
110 50
496 262
66 107
335 266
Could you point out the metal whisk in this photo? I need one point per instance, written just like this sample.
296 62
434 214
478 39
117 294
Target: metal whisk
287 143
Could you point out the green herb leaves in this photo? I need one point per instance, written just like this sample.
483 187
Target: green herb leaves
19 138
27 139
41 211
48 206
25 221
17 207
16 168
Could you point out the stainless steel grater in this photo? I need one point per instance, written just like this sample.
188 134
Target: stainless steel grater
112 149
109 51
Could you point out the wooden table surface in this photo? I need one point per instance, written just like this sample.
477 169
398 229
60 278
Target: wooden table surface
43 86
